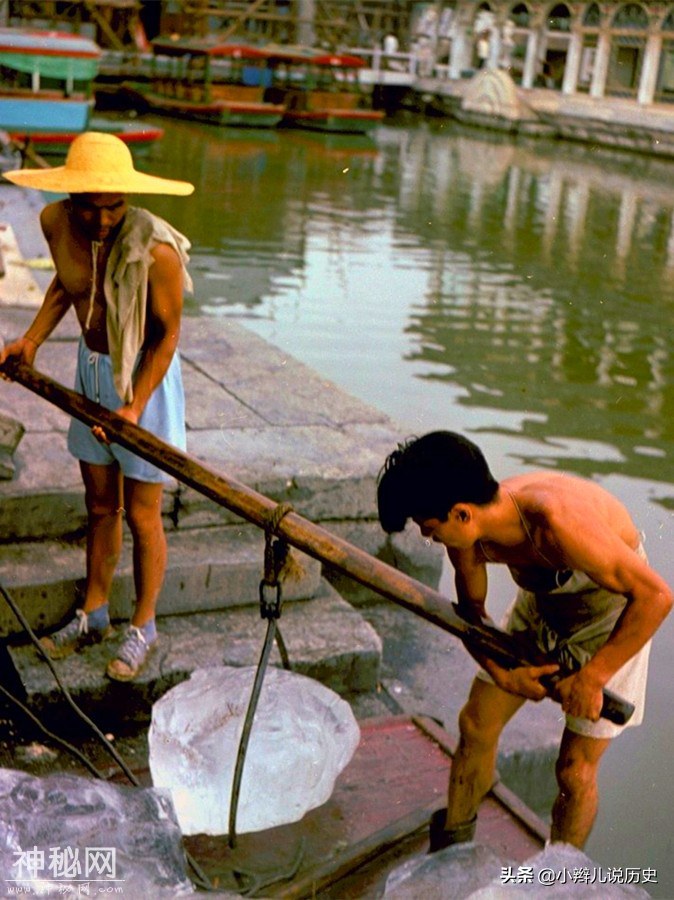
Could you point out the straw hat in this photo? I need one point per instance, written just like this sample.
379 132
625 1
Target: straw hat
97 163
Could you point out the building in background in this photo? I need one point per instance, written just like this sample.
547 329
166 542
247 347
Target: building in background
614 48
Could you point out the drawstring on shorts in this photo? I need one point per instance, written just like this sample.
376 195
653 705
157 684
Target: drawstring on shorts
93 360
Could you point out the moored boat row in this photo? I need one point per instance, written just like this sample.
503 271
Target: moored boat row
48 83
46 91
246 85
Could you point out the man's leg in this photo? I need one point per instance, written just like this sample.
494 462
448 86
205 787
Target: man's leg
103 499
575 808
481 722
143 515
142 502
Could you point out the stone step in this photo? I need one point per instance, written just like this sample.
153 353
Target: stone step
326 639
326 475
254 415
208 569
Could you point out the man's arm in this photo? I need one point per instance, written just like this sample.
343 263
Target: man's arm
589 545
470 580
55 305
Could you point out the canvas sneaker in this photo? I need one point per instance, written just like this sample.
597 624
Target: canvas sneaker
132 656
76 634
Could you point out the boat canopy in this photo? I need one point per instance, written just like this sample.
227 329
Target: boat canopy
193 47
300 55
51 54
274 53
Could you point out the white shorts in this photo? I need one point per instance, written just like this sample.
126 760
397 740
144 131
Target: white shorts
164 416
595 611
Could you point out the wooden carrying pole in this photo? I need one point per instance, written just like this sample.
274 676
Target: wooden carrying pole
297 531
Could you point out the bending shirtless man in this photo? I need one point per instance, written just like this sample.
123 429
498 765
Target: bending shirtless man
588 601
123 271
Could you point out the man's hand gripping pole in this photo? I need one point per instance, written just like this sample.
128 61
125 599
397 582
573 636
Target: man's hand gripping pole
493 643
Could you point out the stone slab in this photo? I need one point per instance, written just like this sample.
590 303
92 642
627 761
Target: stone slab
17 285
281 390
406 551
326 474
325 637
207 569
20 209
217 410
11 432
325 463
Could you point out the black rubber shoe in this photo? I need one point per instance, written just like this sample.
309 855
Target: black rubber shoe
442 837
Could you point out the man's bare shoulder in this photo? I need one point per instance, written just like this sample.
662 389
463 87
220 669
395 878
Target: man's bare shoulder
53 217
556 499
165 255
549 489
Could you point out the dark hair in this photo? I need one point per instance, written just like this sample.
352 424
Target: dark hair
426 476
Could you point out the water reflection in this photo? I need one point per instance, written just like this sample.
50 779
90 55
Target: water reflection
521 292
536 278
554 294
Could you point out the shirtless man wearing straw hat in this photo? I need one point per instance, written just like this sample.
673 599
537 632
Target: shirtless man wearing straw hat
123 270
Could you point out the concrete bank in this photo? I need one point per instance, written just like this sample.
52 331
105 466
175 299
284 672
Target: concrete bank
256 414
492 100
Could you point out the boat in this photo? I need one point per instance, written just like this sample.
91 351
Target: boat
138 136
207 81
320 91
46 80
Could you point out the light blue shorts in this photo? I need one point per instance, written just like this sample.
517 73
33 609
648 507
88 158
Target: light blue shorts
164 416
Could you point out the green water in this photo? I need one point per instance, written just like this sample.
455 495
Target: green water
520 292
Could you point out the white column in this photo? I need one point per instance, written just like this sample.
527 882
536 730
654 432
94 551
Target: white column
650 68
458 57
670 246
494 47
512 197
669 264
572 67
530 60
600 70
